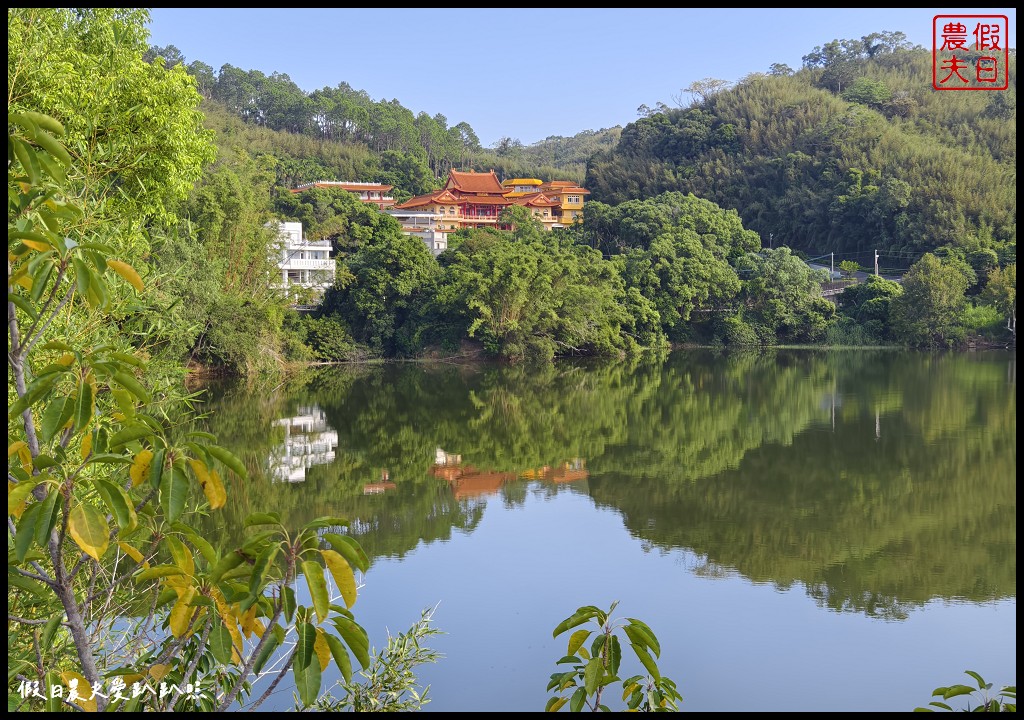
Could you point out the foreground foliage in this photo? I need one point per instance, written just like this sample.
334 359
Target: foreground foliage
595 669
1003 701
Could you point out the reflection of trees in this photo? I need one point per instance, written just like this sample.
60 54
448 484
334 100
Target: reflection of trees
767 464
865 524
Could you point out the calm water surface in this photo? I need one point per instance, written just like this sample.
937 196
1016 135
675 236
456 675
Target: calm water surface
804 531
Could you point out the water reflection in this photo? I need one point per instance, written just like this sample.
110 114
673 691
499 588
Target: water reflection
308 441
876 481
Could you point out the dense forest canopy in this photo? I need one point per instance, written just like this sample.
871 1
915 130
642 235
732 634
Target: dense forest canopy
851 153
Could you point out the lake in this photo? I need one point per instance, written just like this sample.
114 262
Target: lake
803 530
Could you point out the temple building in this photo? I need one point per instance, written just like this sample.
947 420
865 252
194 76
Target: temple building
474 200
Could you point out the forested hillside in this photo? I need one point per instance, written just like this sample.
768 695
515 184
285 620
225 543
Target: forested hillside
380 140
852 152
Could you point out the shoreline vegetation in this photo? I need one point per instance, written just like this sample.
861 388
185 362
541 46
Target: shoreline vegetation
142 193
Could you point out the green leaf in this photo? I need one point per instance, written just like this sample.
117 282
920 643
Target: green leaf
576 641
41 279
317 587
56 416
25 307
641 629
220 641
229 459
262 519
340 656
129 433
48 514
53 147
181 555
173 493
260 570
578 698
350 549
304 650
355 637
592 675
205 548
85 399
273 642
978 679
158 571
119 504
156 467
129 383
327 521
29 585
956 690
226 563
307 682
24 534
18 494
49 630
578 618
555 704
647 660
35 391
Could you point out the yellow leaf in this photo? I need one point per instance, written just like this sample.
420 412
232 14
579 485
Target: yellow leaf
157 672
181 613
127 272
67 359
36 245
25 456
133 553
343 576
89 529
322 649
140 467
82 688
15 447
86 446
248 621
229 622
25 281
214 489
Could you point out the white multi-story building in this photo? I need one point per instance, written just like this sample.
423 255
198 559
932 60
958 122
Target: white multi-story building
303 263
425 225
308 441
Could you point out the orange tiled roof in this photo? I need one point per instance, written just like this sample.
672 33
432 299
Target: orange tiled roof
536 200
438 196
474 182
564 186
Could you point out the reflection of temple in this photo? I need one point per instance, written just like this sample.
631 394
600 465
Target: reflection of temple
308 441
467 481
383 486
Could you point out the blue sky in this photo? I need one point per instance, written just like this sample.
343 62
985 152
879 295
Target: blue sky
525 73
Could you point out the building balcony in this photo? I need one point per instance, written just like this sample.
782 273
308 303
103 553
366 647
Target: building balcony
299 264
306 245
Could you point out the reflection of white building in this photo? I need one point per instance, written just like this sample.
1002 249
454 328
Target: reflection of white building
308 441
425 225
303 263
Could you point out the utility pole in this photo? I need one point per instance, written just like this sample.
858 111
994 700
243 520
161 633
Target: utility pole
832 266
876 263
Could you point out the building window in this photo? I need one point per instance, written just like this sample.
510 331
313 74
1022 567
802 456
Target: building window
572 198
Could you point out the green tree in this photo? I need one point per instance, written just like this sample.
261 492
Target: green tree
781 297
1001 291
594 669
106 481
930 311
